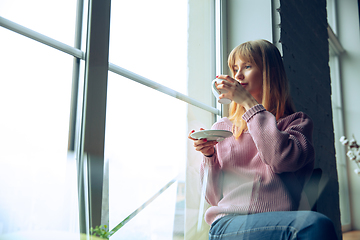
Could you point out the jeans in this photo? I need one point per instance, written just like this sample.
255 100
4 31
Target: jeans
274 225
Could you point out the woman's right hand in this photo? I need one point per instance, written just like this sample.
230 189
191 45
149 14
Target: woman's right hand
203 145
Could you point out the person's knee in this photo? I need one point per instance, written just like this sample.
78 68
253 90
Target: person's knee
320 220
319 226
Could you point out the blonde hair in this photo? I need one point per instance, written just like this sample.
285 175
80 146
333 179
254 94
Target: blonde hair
276 93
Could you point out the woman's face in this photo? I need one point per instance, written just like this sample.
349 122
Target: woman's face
250 77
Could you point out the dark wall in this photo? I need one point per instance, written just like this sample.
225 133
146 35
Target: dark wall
359 9
305 47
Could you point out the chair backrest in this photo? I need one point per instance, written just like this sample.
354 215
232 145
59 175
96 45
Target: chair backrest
311 188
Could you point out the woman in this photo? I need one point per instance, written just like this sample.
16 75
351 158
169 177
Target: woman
256 177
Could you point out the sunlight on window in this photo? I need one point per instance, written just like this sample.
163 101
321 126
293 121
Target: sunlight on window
145 129
149 38
55 19
38 176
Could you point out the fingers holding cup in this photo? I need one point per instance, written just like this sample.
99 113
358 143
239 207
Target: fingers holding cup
218 90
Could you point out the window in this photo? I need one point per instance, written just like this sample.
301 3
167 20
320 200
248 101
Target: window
147 150
341 159
338 112
38 174
59 153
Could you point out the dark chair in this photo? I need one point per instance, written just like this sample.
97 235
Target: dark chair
311 188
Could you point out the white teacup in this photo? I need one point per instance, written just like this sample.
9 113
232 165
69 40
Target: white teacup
217 92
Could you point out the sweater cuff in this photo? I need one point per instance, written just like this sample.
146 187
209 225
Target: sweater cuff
252 111
210 161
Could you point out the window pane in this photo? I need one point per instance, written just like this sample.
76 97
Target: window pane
37 174
149 38
55 19
145 129
145 147
341 159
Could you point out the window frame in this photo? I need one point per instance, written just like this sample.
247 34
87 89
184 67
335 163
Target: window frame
335 51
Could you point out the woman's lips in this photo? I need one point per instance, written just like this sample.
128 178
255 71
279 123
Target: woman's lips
243 84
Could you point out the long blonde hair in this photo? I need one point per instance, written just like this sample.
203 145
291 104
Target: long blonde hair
276 93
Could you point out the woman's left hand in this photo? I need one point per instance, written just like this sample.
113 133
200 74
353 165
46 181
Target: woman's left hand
203 145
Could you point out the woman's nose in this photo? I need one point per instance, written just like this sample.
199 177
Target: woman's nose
239 75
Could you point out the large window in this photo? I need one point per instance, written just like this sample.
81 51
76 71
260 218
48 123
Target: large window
336 50
82 146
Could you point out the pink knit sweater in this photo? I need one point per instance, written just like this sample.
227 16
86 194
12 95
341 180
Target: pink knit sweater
264 170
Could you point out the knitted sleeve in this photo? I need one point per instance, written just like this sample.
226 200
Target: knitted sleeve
211 167
285 146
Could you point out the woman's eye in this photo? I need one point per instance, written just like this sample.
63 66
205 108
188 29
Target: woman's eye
247 67
236 70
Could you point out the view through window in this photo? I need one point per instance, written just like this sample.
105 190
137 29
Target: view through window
146 130
38 174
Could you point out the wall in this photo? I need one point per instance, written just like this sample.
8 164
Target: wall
239 29
349 36
305 48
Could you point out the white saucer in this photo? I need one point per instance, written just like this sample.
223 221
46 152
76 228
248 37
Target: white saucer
212 135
